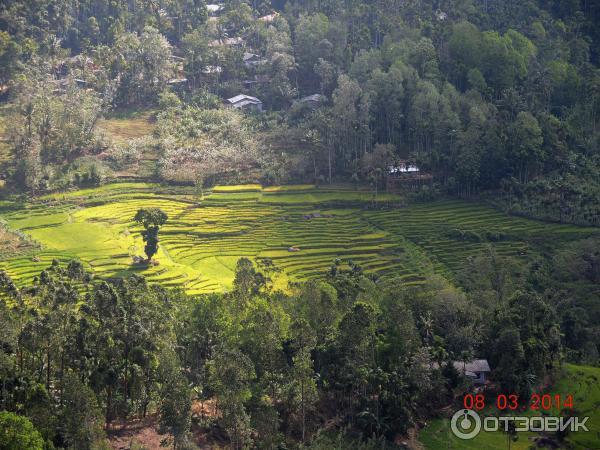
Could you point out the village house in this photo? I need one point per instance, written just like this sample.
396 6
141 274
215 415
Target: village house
313 101
62 84
244 102
178 83
406 176
403 167
75 64
476 370
252 60
209 70
228 42
269 17
213 9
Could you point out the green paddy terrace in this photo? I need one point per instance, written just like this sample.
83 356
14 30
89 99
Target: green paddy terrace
204 238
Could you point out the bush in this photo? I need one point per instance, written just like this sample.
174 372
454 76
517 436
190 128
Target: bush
425 194
17 433
125 155
168 99
89 172
205 100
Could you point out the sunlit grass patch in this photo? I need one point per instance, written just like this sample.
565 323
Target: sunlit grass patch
233 195
290 187
438 436
330 195
583 382
238 188
126 187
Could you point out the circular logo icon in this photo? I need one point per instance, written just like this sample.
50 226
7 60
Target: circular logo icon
465 424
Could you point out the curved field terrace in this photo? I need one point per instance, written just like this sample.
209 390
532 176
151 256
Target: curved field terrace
303 229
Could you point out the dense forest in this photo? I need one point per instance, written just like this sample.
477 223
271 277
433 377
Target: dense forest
494 101
497 97
79 355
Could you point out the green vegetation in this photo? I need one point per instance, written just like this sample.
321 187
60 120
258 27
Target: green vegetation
269 360
202 241
151 219
351 198
17 432
133 125
580 381
488 100
438 436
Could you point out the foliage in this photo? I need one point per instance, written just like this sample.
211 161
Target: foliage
142 66
54 123
81 418
151 219
492 99
268 360
17 432
175 401
209 143
498 99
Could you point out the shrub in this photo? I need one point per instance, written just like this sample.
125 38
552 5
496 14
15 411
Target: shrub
125 155
17 432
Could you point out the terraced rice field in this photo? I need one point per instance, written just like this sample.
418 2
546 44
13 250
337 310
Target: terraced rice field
203 240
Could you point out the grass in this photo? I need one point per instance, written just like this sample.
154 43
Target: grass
201 242
580 381
583 382
291 187
239 188
127 125
437 435
12 244
103 191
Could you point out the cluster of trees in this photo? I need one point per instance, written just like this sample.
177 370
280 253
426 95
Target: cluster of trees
485 97
201 146
371 356
52 124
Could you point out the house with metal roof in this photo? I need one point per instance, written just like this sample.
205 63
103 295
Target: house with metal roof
476 370
313 101
244 102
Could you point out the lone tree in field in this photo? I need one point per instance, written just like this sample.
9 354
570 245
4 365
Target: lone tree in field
151 219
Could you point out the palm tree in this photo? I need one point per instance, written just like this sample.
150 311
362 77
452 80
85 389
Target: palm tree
427 326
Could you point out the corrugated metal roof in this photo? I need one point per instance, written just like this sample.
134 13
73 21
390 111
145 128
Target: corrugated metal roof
477 365
239 98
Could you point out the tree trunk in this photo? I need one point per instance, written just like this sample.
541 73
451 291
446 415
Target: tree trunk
48 369
329 163
303 410
108 414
